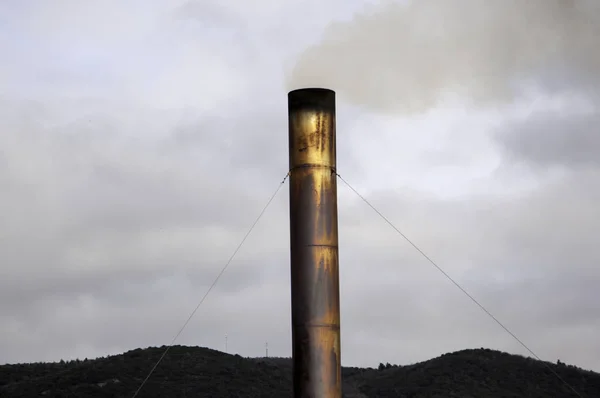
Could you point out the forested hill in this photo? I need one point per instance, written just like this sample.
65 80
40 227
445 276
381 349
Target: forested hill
201 372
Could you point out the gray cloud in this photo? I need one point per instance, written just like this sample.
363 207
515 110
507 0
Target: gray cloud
554 139
407 57
530 259
137 267
88 213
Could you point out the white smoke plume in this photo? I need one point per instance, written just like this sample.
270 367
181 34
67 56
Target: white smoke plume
404 57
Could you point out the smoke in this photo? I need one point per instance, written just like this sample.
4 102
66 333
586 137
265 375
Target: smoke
405 58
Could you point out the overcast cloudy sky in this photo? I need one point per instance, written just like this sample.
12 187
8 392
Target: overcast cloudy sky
140 139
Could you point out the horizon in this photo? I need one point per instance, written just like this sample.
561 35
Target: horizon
290 358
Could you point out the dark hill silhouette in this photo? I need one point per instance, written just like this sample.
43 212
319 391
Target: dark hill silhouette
201 372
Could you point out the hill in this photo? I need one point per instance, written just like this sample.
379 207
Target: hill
201 372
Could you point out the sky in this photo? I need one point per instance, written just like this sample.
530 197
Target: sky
139 140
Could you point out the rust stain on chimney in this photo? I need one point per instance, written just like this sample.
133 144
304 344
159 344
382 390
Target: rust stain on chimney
314 244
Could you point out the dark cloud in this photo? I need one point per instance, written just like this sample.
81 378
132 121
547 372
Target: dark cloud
550 139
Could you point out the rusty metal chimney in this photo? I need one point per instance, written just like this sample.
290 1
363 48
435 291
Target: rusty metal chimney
314 244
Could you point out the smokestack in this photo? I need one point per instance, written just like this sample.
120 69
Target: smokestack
314 244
